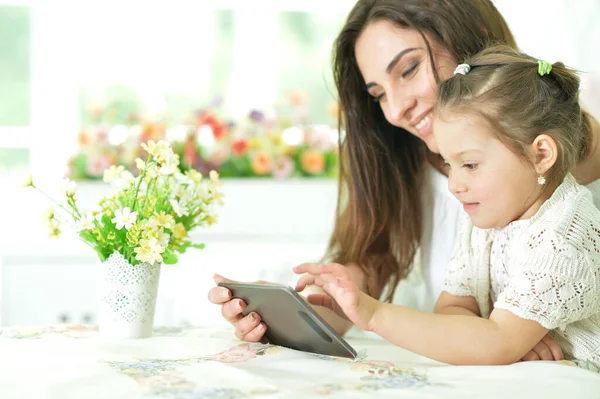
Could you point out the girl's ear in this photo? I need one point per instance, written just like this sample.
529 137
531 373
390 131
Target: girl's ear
545 152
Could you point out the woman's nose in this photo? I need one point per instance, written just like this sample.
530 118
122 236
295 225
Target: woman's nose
399 105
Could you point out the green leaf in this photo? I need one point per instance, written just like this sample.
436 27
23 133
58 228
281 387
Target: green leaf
101 254
169 258
188 244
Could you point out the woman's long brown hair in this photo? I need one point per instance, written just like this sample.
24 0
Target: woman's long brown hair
379 213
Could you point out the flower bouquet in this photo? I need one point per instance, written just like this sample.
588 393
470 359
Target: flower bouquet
144 223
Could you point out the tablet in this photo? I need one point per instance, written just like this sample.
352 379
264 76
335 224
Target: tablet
290 320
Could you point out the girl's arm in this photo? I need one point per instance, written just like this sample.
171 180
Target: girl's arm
450 338
337 321
457 338
546 349
456 305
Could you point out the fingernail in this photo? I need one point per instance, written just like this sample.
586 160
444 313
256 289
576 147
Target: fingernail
225 294
239 305
261 327
253 316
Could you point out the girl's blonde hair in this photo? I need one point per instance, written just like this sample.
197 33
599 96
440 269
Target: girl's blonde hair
505 88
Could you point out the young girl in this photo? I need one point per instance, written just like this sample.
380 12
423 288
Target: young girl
528 261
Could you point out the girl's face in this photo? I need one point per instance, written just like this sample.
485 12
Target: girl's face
395 65
495 186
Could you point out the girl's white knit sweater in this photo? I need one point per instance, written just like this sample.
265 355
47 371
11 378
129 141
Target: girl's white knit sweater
546 269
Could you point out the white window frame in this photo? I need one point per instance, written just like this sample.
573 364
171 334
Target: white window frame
16 136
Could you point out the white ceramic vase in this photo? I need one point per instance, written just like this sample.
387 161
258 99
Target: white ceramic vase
127 298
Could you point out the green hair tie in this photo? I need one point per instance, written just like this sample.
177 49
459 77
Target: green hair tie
544 68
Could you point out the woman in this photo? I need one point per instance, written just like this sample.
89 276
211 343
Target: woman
394 200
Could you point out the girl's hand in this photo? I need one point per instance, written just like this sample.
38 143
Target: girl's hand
342 296
546 349
249 328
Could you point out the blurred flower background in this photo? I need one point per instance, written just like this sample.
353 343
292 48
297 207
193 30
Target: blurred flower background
83 82
285 144
242 87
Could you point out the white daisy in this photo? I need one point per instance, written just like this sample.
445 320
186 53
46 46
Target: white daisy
124 218
179 209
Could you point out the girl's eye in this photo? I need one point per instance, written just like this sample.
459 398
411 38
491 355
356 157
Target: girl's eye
446 165
410 70
470 166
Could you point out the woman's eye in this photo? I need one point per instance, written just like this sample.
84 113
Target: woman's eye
446 165
378 97
410 70
470 166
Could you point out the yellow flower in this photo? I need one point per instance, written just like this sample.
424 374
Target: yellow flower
158 150
253 143
97 233
217 196
164 220
49 215
132 236
194 175
179 231
214 177
54 227
210 218
276 138
149 251
290 151
28 181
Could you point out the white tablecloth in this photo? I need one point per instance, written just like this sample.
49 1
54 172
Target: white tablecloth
71 361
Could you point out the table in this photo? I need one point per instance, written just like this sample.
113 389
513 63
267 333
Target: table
72 361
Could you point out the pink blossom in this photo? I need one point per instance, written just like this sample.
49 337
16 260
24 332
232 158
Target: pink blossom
283 168
98 164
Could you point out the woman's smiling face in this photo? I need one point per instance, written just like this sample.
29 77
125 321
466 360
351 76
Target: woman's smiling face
398 74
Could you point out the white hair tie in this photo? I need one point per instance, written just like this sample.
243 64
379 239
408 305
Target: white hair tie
463 69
